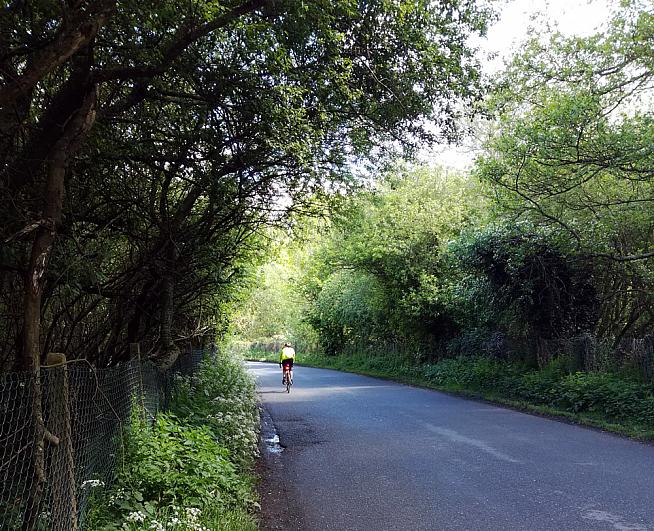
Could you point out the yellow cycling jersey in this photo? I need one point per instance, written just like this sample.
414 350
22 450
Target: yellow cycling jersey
287 353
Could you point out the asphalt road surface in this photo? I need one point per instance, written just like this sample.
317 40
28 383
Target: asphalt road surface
358 453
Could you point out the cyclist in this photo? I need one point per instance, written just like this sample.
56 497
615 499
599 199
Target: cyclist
287 357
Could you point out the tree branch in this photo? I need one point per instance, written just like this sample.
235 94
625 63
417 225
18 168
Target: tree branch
73 35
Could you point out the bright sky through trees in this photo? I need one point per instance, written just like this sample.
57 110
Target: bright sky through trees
518 19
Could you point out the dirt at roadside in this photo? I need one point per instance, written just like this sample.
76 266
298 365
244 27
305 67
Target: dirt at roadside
279 512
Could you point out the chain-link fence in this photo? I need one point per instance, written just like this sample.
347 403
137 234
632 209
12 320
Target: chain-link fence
589 353
60 435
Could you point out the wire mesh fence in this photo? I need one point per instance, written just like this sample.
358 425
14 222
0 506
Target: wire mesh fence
60 435
589 353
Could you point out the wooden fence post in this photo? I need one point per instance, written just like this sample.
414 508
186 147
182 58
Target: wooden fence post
62 466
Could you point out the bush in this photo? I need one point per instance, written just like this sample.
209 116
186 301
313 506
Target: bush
222 396
527 282
473 373
476 342
607 394
189 469
173 476
611 396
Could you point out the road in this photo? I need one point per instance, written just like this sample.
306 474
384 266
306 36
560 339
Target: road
366 454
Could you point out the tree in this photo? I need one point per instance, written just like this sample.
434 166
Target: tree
384 275
142 143
535 287
136 136
571 150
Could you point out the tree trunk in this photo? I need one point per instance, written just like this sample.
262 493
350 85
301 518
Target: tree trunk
33 289
32 324
169 351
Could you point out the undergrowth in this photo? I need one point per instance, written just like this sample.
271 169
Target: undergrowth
190 468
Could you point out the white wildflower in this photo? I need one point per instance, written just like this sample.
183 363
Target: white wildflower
192 514
136 516
93 483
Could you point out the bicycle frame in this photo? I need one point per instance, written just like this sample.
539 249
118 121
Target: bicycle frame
287 378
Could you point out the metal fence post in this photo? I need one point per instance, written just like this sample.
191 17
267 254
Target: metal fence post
135 358
62 477
135 351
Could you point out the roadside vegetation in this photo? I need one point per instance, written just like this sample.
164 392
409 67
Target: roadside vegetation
529 279
190 468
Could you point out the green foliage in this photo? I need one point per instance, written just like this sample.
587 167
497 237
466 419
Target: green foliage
570 150
170 460
221 397
189 469
254 318
350 308
383 275
168 469
606 394
610 396
272 307
530 278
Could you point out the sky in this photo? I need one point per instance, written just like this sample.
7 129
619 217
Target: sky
571 17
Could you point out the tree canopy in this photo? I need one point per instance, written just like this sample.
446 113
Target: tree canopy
144 143
545 248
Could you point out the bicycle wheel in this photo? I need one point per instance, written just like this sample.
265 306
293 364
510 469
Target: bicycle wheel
288 384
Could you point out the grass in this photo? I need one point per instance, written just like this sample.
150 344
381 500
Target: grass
610 402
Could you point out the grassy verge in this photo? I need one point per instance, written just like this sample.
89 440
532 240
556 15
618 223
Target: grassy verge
192 468
608 401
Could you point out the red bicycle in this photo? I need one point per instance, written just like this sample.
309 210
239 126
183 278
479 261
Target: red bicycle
286 378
